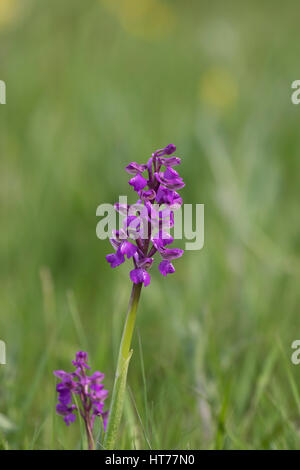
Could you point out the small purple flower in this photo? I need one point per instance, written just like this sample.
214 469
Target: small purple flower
158 198
172 161
134 168
124 248
91 395
169 197
140 275
115 259
171 253
138 182
64 393
166 267
170 179
66 412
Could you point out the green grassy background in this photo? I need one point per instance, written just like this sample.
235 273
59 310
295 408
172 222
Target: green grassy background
92 86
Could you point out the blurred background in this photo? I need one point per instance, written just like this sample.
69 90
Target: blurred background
92 86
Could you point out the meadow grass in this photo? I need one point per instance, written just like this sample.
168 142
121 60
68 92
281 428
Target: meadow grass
91 87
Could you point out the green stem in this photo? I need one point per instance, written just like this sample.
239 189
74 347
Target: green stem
89 434
117 401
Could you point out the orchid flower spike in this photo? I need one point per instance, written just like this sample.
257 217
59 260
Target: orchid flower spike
91 395
156 184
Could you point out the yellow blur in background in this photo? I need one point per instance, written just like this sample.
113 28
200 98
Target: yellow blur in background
9 10
218 89
148 19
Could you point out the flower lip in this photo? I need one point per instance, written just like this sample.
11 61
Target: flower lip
66 412
166 267
139 276
138 182
115 259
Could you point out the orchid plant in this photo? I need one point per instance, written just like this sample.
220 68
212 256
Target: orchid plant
141 237
91 394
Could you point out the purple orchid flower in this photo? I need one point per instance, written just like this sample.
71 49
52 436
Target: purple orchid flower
138 182
158 197
170 179
91 394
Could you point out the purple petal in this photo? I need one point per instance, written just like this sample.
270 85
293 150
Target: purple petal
61 374
148 195
61 409
170 179
138 182
115 259
70 418
128 249
164 195
172 161
96 377
177 201
98 408
134 168
140 275
166 267
65 396
168 196
171 253
161 239
67 412
100 395
144 262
